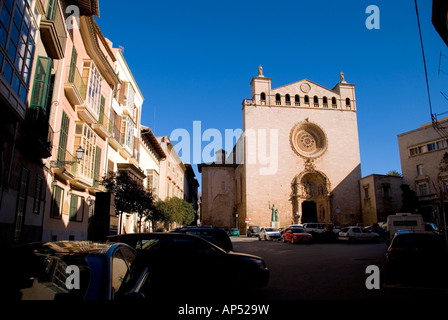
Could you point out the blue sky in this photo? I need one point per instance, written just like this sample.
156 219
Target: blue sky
194 60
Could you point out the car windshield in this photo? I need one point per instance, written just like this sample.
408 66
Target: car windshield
39 274
409 241
298 230
271 230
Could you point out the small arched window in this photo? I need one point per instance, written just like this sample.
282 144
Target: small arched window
316 101
263 96
278 100
297 100
288 99
325 102
347 103
333 102
307 100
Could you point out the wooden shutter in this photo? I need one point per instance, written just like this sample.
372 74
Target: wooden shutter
96 170
41 83
101 113
71 74
63 137
122 92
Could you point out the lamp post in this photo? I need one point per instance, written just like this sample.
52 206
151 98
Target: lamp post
59 163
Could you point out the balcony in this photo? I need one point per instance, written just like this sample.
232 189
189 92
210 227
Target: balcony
103 127
52 31
38 133
65 165
115 138
86 114
75 88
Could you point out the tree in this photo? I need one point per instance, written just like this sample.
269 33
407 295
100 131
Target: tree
409 200
173 210
394 173
129 195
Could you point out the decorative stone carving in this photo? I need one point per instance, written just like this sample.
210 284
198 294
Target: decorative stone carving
308 140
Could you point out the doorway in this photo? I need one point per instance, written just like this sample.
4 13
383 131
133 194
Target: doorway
309 211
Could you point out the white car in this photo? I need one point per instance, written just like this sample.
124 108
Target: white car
269 234
357 234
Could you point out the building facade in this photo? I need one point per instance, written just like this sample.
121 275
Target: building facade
381 195
297 161
424 163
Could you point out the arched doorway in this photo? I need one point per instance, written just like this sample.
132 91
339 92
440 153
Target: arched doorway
310 197
309 211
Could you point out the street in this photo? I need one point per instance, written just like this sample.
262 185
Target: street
335 271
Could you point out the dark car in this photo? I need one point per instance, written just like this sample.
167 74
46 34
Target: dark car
73 270
253 231
215 235
415 252
185 261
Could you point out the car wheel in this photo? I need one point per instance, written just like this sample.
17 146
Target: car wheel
292 240
283 240
352 239
259 238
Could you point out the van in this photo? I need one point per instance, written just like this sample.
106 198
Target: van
404 221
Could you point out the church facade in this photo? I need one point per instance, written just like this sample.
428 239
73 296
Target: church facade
297 161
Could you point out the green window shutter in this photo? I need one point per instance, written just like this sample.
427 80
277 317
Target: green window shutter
73 207
96 172
57 201
71 74
52 5
41 83
101 113
63 137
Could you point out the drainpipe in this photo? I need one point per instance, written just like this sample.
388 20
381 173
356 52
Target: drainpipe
12 155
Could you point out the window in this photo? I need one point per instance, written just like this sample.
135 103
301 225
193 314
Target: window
423 189
37 195
17 32
288 100
297 100
366 192
263 96
347 103
153 181
431 147
56 202
86 138
419 169
325 102
307 100
127 131
42 81
278 99
333 102
22 193
441 144
386 190
76 208
316 101
93 97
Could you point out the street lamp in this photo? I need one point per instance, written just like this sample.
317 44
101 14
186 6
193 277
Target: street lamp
79 157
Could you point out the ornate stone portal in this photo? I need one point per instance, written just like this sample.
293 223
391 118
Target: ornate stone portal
310 188
310 196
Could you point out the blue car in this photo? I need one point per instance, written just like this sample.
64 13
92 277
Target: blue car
74 270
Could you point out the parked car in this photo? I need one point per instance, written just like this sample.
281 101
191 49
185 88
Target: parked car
234 232
269 234
356 233
416 250
73 270
253 231
192 263
295 235
215 235
318 228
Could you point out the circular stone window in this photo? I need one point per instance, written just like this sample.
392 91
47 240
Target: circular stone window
308 140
